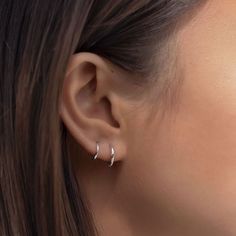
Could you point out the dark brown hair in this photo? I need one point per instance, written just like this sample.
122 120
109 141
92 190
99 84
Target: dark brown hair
39 194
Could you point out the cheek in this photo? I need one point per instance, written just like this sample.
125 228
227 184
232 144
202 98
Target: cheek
185 165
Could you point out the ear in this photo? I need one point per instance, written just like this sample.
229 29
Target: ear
92 106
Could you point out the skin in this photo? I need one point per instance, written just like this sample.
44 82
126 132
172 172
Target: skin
174 174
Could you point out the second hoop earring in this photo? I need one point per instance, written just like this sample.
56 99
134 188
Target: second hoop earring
112 156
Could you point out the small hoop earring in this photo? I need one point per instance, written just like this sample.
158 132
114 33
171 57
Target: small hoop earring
98 148
112 156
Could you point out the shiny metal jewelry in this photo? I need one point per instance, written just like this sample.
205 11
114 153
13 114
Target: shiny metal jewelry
112 156
98 148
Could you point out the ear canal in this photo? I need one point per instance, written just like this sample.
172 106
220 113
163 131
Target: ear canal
112 156
107 105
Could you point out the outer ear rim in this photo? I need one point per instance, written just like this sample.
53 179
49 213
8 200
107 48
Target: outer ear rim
91 58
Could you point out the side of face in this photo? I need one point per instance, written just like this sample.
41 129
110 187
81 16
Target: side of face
180 170
177 171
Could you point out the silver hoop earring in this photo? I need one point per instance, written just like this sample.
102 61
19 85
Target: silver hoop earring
98 148
112 156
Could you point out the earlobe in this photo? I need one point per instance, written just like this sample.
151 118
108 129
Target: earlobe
113 154
87 107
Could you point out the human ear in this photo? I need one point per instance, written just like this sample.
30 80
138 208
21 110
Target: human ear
91 105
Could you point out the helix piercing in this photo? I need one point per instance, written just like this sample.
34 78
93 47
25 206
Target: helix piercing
112 156
96 155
